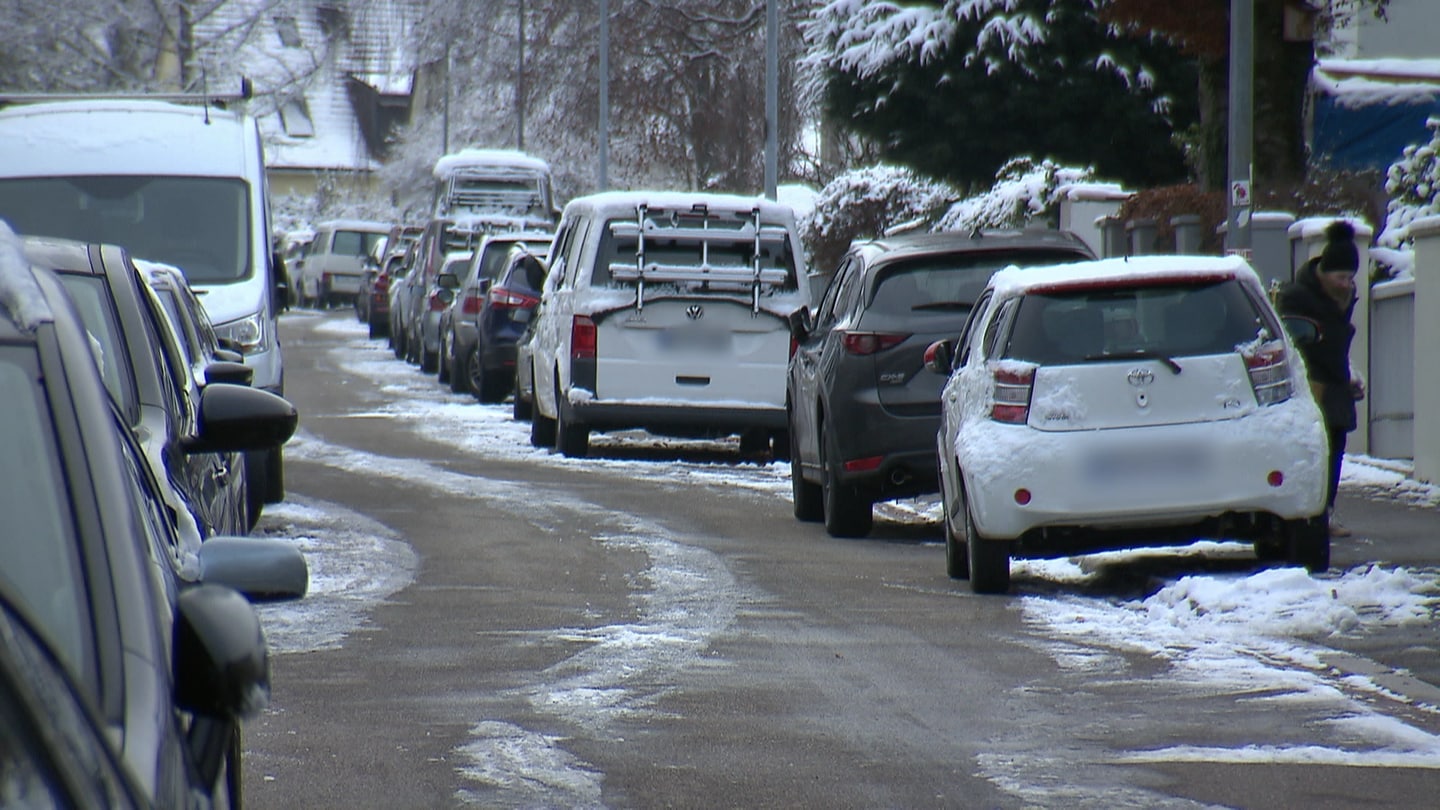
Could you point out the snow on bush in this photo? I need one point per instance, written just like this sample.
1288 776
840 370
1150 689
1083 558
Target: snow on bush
1024 191
1413 183
862 203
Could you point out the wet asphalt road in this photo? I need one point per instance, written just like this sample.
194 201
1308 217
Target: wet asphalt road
575 637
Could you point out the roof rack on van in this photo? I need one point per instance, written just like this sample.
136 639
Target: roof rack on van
247 91
674 225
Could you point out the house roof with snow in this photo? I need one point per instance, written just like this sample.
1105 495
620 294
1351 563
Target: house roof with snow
330 78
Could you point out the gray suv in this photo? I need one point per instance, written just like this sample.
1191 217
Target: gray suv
862 411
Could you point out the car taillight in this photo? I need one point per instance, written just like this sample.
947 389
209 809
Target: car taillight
471 303
381 285
582 338
437 304
1269 368
1011 395
870 342
501 298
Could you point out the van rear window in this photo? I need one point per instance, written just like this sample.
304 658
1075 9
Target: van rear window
683 252
199 224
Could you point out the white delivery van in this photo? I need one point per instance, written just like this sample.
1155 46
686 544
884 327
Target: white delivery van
172 181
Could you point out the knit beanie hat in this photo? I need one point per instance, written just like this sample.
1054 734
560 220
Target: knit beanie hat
1340 252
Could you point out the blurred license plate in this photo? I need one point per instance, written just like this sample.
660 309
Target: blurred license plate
704 340
1146 464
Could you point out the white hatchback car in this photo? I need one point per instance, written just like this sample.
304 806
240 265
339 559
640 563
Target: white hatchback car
1126 403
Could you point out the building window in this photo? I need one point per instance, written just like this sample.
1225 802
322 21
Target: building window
289 32
295 117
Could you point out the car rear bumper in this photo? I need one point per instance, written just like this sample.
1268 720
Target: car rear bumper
688 419
1266 463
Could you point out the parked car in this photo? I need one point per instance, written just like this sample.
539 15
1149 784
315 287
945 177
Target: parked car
442 235
147 374
291 250
335 260
169 658
667 311
1123 403
479 328
862 411
522 407
437 301
372 303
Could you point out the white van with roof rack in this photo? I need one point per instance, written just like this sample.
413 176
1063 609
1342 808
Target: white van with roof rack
176 179
667 311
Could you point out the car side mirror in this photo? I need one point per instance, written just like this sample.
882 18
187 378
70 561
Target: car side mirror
1303 331
222 667
485 285
261 568
447 281
799 321
226 371
939 355
234 418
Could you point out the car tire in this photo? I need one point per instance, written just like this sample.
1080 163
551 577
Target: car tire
847 512
257 471
572 437
429 361
957 555
988 560
459 372
521 408
780 445
397 342
444 361
542 430
808 496
374 329
1307 543
489 387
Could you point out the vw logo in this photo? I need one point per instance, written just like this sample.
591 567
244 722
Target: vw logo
1140 377
695 312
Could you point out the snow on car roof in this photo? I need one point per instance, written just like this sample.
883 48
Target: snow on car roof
1015 280
624 202
488 158
356 225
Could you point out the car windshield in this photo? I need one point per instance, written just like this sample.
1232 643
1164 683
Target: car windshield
39 569
1162 320
198 224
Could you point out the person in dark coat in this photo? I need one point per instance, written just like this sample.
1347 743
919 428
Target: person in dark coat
1324 292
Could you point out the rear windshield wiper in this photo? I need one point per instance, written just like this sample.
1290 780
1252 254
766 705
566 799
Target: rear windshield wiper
1138 354
958 306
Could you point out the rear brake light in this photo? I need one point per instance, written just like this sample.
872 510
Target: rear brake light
501 298
870 342
381 285
1011 395
864 464
470 304
1269 368
582 338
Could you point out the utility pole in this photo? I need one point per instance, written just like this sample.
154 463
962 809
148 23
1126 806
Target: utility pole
445 106
604 134
1241 126
772 98
520 80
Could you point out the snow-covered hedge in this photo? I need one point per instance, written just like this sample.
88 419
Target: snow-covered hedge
1413 183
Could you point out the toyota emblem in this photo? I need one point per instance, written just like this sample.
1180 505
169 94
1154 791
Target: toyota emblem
1140 377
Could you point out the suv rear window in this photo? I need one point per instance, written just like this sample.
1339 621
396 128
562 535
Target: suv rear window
1170 319
688 253
949 283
